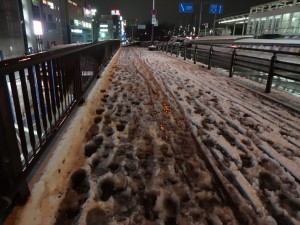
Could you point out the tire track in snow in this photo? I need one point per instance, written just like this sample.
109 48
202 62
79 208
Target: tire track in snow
143 165
275 157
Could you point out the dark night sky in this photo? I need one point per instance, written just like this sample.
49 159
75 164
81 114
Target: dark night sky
167 10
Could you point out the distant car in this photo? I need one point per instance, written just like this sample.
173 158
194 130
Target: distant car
124 43
152 48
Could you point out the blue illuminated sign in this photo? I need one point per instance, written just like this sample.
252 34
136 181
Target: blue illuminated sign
216 8
186 7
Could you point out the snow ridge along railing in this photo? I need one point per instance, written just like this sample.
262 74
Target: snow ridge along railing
273 63
37 94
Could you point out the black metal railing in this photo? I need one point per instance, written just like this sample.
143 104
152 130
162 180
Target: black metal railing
37 93
273 63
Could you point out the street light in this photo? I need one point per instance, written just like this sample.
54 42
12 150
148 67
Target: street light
38 31
200 15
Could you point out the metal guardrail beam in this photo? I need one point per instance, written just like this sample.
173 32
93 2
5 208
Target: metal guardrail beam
236 56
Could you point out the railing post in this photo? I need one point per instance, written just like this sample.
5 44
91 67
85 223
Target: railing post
172 49
271 73
10 158
210 56
195 52
232 62
167 46
178 49
77 74
184 52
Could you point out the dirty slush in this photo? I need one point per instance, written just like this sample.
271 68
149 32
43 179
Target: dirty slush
145 166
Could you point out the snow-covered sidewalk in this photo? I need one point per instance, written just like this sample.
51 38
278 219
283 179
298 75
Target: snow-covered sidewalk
165 142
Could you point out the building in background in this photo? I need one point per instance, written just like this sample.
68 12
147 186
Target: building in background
111 26
12 42
32 26
79 22
105 27
279 17
52 23
234 24
118 24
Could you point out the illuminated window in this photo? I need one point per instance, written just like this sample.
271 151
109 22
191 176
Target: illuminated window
73 3
76 22
37 27
77 31
50 4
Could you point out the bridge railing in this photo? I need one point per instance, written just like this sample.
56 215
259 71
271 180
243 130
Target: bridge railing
37 93
273 63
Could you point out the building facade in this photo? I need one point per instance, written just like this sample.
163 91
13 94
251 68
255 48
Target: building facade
278 17
234 24
31 26
11 35
111 26
79 22
105 28
51 17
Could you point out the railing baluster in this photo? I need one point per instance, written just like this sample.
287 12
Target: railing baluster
56 86
10 158
27 109
15 95
77 79
51 83
35 103
10 152
62 63
45 76
60 99
41 97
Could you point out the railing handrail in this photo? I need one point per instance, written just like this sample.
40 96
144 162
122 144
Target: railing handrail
195 49
51 84
8 65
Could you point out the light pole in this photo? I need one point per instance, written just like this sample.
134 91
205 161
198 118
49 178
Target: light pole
200 15
153 9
